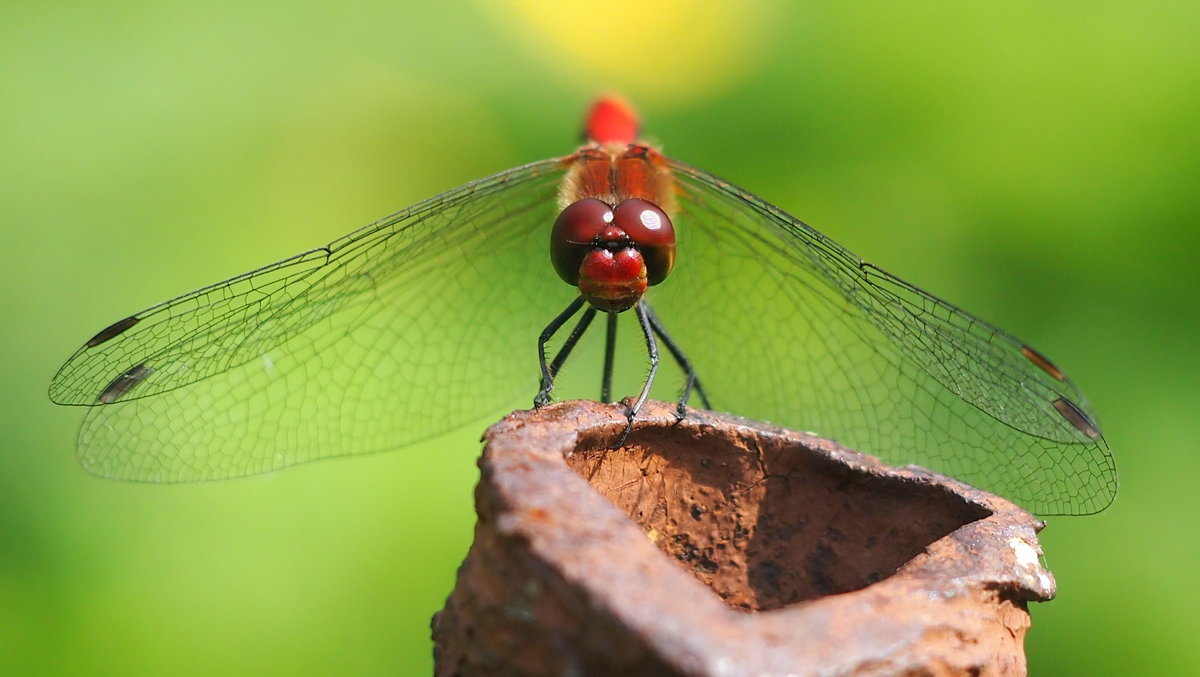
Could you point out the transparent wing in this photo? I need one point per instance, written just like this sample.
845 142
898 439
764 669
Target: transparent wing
351 348
784 324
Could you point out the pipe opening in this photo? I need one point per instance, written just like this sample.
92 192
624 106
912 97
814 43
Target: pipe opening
762 521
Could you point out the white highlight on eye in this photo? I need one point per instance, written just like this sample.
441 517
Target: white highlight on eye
650 219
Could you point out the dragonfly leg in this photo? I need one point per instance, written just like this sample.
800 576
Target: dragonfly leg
691 380
543 396
652 349
564 352
610 347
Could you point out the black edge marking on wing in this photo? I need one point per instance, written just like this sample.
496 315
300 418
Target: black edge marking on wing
112 331
1043 363
124 383
1077 418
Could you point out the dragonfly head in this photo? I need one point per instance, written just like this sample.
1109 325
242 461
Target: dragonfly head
613 254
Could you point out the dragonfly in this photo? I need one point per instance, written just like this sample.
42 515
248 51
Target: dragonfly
426 320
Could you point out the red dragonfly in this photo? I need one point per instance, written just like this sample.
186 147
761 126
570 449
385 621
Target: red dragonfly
424 321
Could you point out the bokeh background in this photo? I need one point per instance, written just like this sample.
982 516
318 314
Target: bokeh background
1035 162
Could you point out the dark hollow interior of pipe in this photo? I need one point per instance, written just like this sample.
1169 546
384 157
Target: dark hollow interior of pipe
763 522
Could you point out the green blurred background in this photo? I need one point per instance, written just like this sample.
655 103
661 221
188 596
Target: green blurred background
1034 162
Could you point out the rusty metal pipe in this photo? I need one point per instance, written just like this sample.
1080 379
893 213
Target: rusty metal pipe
720 546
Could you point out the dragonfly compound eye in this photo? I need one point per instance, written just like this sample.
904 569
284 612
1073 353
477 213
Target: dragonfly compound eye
577 230
651 231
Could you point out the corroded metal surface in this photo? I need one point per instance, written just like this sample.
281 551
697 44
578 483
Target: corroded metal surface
719 546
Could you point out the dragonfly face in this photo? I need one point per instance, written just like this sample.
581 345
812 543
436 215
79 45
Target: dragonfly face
424 321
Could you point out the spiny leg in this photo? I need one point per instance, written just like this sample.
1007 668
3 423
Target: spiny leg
652 349
684 363
610 348
543 396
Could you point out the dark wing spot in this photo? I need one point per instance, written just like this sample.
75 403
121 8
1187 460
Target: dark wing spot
124 383
1077 418
111 331
1041 361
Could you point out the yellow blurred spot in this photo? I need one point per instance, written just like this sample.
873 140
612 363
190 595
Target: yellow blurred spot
644 48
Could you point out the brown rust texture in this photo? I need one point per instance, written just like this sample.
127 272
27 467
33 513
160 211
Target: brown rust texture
717 546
